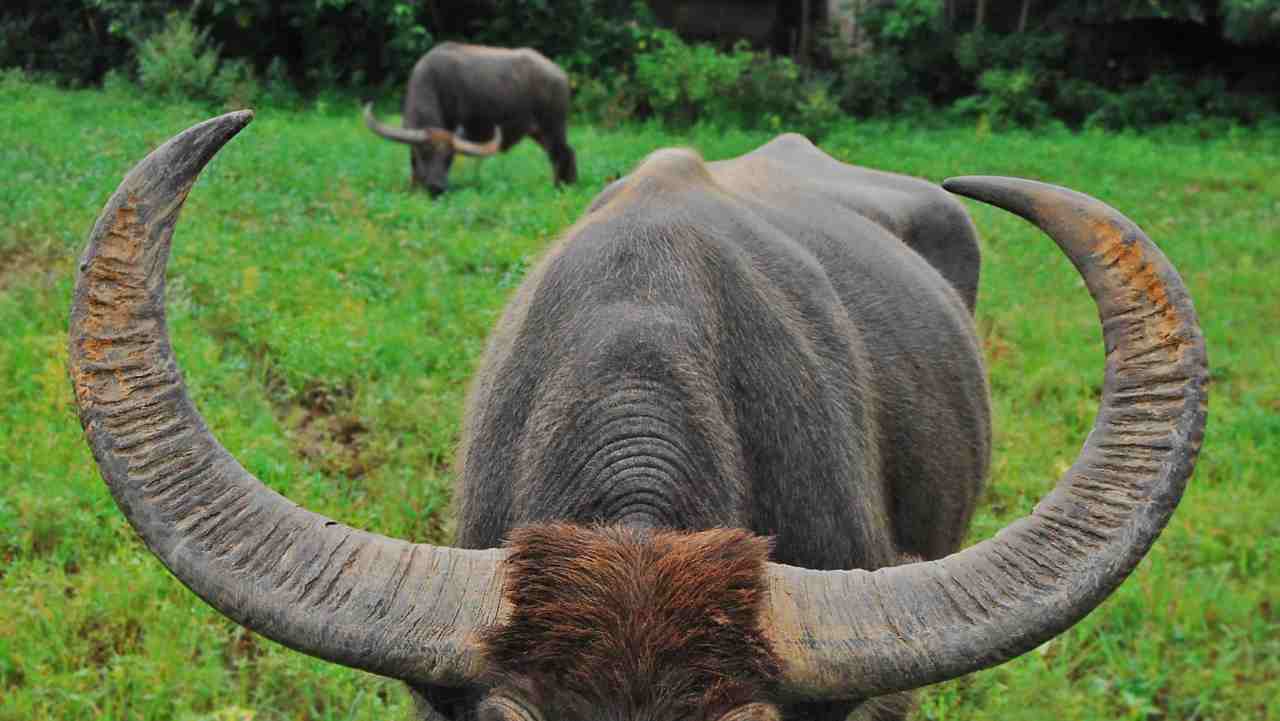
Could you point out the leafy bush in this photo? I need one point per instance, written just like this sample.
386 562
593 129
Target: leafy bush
277 88
1076 100
1007 97
975 52
818 111
1160 99
684 83
584 36
177 62
1168 98
904 20
607 100
874 83
180 62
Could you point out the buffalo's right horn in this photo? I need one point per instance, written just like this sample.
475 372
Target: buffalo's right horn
395 608
479 150
412 136
857 634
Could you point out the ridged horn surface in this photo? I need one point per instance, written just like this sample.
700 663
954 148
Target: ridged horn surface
857 634
391 607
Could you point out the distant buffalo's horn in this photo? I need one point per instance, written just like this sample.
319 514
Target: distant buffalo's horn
856 634
412 136
395 608
479 150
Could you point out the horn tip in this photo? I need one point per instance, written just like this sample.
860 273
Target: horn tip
176 163
228 125
985 187
224 127
957 182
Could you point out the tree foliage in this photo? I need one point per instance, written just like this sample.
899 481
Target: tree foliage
1134 62
1009 60
1252 22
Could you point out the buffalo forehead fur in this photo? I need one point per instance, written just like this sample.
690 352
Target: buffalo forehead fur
607 616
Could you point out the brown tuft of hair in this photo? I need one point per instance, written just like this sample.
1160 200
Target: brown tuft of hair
623 623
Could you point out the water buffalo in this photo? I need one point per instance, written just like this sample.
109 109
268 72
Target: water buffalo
717 461
496 93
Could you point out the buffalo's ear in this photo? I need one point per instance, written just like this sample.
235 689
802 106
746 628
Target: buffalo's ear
752 712
507 705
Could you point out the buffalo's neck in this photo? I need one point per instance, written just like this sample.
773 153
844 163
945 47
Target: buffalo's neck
619 424
628 428
632 451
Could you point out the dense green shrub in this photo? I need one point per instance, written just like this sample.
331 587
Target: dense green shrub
817 112
1076 100
606 99
1166 98
683 83
179 61
975 52
1089 62
1006 97
585 36
875 83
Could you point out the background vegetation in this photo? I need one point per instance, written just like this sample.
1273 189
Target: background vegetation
327 320
1085 63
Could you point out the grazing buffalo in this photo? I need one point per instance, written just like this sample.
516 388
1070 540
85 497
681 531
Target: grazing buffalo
486 92
717 463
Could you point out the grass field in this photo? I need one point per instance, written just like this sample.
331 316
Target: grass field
327 320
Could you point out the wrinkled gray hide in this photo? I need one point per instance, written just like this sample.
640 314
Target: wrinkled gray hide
757 342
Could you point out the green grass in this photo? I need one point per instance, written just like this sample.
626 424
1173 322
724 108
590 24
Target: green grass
328 319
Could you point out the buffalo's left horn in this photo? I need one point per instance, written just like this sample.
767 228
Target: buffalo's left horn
479 150
395 608
857 634
412 136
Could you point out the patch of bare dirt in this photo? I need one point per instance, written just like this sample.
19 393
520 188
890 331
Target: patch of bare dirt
12 678
321 427
994 345
24 264
326 434
107 640
245 647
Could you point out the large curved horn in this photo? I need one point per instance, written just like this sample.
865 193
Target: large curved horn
394 608
856 634
412 136
479 150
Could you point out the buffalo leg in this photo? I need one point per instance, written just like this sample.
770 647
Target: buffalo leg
555 141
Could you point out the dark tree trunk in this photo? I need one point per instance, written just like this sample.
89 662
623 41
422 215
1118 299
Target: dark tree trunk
805 32
437 23
1022 17
980 19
